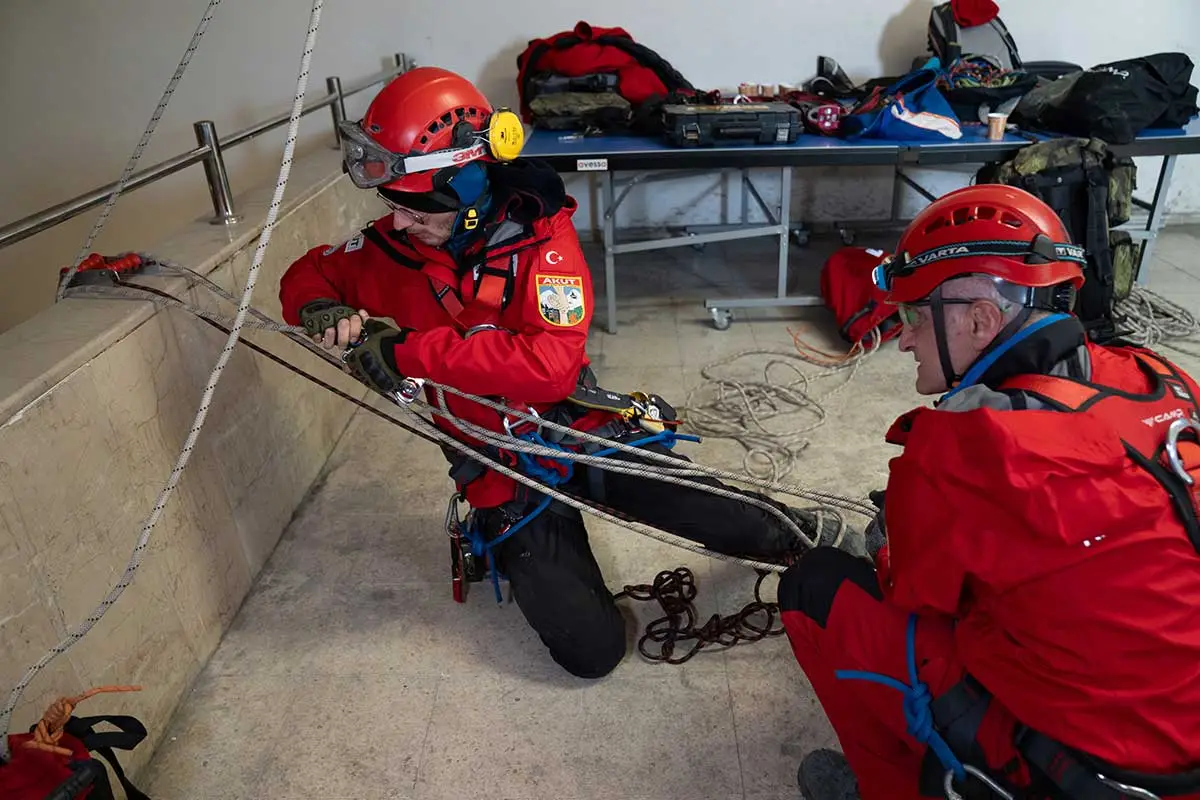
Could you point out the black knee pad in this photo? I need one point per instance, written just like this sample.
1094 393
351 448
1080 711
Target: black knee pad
810 585
597 654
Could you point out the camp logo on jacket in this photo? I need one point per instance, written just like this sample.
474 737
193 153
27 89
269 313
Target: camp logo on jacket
560 299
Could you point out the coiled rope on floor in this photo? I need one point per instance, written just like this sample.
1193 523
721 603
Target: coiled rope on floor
759 414
1149 319
235 332
674 591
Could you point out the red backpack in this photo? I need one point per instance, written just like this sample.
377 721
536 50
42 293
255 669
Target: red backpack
640 73
857 303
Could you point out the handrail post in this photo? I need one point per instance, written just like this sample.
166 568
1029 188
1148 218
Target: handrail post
338 107
218 177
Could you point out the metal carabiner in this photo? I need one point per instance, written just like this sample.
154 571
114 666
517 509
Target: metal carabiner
410 390
453 519
948 783
532 412
1172 446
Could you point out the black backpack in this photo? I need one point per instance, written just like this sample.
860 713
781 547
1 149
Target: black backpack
1092 192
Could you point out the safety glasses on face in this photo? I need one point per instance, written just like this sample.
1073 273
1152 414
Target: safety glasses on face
370 165
912 317
416 217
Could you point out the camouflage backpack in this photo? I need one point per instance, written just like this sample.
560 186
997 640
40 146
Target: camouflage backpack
1092 191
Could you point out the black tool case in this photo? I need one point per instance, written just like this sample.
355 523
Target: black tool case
747 123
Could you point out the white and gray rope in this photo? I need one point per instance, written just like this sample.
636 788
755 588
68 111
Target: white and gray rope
740 409
202 412
1150 319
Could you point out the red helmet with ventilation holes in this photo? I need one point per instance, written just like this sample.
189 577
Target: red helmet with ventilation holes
422 128
990 229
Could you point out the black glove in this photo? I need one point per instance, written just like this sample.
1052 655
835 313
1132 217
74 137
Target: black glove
320 315
876 532
372 360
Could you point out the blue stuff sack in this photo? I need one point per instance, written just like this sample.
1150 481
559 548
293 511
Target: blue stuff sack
912 108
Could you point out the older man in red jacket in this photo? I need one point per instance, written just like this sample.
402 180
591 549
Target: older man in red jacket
480 267
1034 616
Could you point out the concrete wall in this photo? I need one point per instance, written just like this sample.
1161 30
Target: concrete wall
96 399
79 80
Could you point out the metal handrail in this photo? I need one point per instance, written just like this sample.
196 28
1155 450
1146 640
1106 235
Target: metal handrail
209 152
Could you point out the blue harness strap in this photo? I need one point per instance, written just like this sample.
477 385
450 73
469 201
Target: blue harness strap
917 713
551 477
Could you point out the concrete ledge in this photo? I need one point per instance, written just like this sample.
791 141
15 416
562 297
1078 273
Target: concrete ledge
96 399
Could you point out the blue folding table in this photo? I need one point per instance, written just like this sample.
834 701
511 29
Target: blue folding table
652 160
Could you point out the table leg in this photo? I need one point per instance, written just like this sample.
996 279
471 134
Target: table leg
785 211
1154 221
610 267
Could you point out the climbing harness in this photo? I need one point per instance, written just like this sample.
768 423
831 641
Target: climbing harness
234 337
1172 458
53 761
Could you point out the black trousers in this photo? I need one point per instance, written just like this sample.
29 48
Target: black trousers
558 584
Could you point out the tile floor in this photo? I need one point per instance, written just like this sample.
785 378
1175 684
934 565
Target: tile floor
350 673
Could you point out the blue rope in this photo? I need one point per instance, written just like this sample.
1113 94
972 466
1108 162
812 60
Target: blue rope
552 477
917 715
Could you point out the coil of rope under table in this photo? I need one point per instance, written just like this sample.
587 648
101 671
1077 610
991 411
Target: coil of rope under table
652 160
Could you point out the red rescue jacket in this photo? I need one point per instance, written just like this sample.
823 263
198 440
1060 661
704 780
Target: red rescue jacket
1065 563
535 357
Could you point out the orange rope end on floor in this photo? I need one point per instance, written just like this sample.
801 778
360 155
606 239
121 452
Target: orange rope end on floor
822 357
49 730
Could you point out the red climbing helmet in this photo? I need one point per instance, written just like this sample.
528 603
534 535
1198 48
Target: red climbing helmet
422 128
990 229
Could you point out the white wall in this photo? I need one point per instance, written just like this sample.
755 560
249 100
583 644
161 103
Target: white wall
78 81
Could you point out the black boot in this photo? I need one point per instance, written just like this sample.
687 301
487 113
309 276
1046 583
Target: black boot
852 541
826 775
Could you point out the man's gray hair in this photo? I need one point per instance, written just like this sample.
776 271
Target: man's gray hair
983 287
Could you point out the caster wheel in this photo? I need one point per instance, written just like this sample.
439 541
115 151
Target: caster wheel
799 237
722 318
699 248
847 236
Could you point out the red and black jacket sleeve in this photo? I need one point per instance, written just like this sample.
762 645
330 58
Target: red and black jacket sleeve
336 273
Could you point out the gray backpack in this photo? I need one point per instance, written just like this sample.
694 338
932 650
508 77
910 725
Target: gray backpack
949 42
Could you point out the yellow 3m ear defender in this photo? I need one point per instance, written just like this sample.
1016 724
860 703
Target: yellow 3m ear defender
505 135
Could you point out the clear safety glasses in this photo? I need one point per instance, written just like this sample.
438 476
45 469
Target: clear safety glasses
370 165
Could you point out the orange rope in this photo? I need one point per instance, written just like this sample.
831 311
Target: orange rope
49 730
822 357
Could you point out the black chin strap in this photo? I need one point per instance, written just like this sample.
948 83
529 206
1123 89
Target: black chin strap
937 309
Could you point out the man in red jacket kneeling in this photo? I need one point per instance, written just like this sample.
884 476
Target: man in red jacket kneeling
1033 618
480 267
